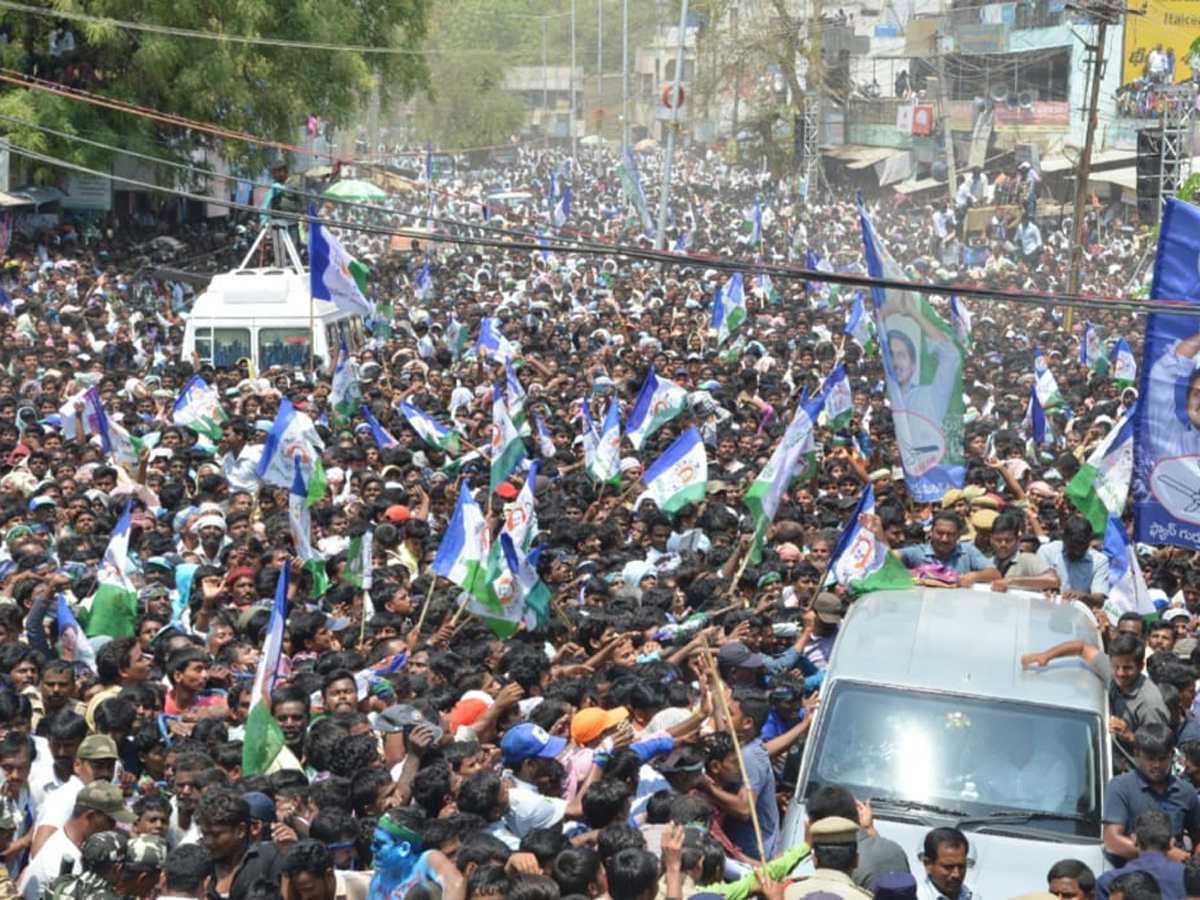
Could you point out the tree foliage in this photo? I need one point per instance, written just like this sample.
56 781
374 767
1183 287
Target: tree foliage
471 108
258 88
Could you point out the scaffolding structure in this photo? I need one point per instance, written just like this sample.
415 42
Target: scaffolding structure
811 149
1178 123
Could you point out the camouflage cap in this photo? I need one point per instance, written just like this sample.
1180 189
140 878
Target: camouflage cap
146 851
106 848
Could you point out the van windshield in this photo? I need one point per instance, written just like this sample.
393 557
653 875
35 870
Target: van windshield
966 756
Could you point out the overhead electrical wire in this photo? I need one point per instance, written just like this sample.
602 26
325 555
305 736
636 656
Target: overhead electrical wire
538 243
224 37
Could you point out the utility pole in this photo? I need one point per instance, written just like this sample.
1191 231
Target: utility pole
1104 14
600 64
944 116
734 14
812 99
571 90
624 76
660 233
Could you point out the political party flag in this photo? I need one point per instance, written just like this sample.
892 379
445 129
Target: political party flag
960 321
491 343
658 402
861 561
680 475
114 608
729 307
318 484
766 288
430 430
1035 417
765 493
515 593
606 463
631 182
462 555
756 230
360 563
334 274
456 336
300 522
923 365
6 301
562 209
816 263
839 399
1091 350
507 447
293 435
520 517
264 739
423 283
1166 439
92 413
345 394
591 436
383 438
1044 381
1127 589
545 441
1124 365
682 243
74 643
1101 486
125 449
514 394
859 325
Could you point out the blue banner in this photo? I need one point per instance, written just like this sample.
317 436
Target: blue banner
1166 456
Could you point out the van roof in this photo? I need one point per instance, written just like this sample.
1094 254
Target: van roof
256 293
968 642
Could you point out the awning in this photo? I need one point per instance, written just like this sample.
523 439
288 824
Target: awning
859 153
1099 158
872 155
895 168
923 184
38 195
1126 176
7 200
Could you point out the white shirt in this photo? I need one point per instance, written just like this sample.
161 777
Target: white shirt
927 890
58 806
47 865
527 809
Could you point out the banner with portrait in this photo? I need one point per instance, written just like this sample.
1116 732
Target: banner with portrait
1166 457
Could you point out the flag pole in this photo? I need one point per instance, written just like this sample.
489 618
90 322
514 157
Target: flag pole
719 689
425 605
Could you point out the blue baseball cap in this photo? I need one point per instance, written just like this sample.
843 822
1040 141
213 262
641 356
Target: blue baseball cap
527 741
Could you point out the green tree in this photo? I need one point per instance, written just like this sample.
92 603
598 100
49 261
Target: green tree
262 89
471 107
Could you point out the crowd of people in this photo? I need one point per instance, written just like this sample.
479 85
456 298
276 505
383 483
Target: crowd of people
641 739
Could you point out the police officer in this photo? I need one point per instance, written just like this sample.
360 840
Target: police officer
102 858
835 856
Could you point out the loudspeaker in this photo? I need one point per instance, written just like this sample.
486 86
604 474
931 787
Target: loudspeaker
1149 174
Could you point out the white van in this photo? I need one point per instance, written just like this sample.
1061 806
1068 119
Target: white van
266 315
927 712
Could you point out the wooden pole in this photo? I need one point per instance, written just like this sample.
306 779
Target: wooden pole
719 687
425 605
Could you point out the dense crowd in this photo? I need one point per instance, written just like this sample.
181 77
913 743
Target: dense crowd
642 739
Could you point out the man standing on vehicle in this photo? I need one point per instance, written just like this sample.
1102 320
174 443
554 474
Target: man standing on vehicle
946 865
1150 786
